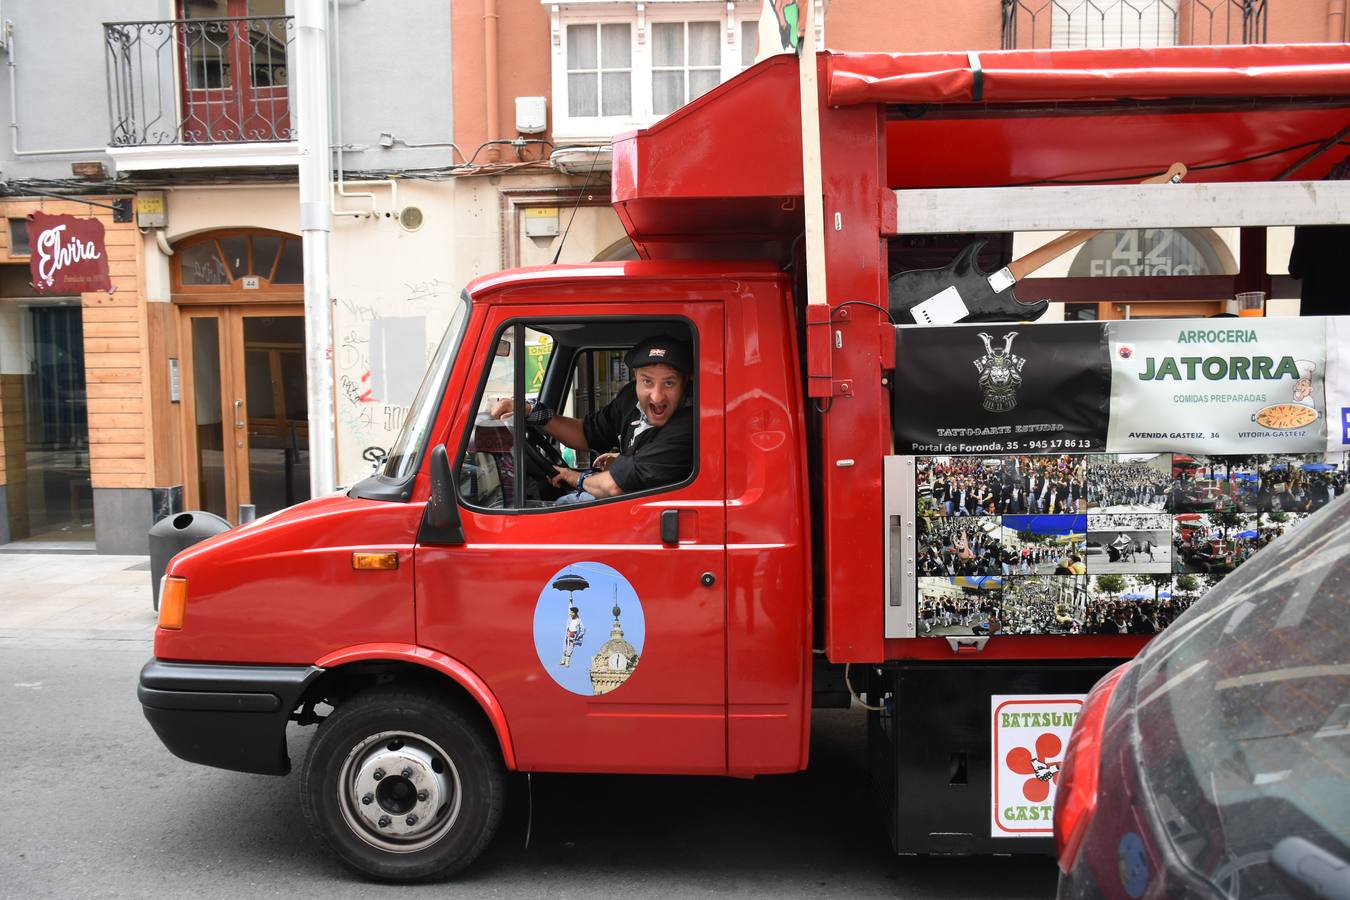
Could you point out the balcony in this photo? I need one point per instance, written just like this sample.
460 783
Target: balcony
201 92
1076 24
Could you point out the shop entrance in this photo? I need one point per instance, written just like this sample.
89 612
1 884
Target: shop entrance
244 398
44 408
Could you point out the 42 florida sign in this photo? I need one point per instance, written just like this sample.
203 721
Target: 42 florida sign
69 254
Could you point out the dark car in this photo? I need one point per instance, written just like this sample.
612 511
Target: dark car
1217 762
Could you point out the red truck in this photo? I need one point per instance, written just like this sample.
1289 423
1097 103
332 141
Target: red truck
426 619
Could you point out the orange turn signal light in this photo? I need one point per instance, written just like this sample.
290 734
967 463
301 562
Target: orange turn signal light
172 602
369 561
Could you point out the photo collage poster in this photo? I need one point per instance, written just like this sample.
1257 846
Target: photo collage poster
1097 543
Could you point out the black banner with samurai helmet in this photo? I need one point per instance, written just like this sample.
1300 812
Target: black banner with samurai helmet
1001 388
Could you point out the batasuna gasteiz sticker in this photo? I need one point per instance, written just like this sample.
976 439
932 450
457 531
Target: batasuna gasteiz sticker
589 628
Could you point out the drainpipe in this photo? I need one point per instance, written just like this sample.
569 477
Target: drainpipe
8 44
1335 21
316 190
490 65
335 25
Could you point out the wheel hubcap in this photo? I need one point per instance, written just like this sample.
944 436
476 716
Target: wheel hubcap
399 791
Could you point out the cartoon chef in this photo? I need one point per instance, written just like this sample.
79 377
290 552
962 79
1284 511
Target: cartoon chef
1303 388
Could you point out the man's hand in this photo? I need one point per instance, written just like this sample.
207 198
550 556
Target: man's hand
564 477
598 484
503 407
602 462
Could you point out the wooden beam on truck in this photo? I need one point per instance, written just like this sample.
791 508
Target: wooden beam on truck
1128 288
1120 206
819 369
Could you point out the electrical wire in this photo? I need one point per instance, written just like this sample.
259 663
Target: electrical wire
1200 168
881 309
864 704
125 183
580 194
497 142
62 188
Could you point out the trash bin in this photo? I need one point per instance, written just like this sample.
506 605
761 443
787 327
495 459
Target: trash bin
177 532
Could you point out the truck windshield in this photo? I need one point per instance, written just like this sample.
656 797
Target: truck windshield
404 456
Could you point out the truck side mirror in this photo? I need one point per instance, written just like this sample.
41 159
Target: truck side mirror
440 522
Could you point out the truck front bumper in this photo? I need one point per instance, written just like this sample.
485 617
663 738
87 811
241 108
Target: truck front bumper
230 717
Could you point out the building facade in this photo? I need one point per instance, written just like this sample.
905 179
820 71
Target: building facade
465 137
184 387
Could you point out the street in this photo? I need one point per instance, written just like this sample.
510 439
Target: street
98 808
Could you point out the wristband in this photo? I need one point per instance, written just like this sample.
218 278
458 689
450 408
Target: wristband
539 416
581 481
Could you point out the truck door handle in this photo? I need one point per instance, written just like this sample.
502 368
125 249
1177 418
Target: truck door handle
670 526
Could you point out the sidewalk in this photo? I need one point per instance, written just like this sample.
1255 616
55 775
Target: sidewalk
79 596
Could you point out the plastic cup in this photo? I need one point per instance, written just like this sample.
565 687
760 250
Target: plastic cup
1251 303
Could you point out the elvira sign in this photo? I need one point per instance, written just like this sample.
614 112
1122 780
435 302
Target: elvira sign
68 254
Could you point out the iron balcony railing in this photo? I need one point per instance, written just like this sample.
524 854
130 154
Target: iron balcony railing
1056 24
196 81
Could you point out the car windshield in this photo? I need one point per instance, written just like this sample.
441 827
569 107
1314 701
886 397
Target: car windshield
1243 710
404 456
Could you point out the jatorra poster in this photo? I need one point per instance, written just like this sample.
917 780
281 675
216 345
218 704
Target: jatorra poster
1229 385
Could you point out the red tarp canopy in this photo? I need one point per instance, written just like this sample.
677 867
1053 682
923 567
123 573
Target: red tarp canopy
725 167
1231 113
1019 76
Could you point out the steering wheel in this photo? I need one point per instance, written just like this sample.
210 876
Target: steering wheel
541 454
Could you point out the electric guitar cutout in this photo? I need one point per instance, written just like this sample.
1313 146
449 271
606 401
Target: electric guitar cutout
961 292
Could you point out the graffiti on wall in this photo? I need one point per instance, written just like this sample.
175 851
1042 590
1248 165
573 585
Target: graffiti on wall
382 349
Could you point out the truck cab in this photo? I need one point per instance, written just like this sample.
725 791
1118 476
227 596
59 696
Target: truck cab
445 586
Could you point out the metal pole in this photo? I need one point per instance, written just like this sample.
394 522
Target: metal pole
316 188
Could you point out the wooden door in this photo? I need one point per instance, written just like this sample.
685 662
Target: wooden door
244 400
234 70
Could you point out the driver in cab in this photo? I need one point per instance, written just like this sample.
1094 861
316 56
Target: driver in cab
645 435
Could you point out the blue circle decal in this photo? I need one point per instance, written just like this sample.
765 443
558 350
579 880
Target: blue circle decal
589 628
1133 865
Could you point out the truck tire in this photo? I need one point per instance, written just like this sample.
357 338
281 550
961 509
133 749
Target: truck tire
402 787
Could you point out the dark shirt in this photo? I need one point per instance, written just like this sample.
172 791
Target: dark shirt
1318 260
658 456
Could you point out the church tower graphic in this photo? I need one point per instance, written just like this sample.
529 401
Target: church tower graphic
617 658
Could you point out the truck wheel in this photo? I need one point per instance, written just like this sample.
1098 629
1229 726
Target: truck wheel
401 787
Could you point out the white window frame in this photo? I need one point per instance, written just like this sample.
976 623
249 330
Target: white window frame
685 68
729 14
1073 26
741 66
607 15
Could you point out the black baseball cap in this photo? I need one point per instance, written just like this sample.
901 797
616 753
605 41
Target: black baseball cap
661 350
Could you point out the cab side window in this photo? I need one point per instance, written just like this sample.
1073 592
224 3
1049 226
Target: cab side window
486 470
597 377
594 427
